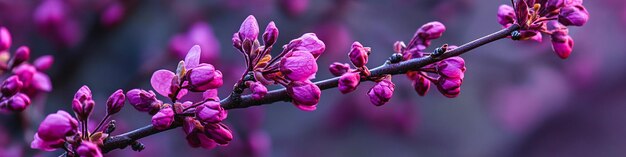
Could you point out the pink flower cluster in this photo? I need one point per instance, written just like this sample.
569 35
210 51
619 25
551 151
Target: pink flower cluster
26 80
61 130
293 68
548 17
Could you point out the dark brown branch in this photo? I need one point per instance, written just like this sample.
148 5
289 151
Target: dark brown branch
123 140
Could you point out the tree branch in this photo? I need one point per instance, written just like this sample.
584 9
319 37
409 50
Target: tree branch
123 140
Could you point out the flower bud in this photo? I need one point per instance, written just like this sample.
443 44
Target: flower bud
19 102
83 94
44 63
552 5
430 31
349 81
5 39
449 87
116 102
25 72
562 43
506 15
308 43
21 55
142 100
399 46
57 126
211 94
211 112
236 41
11 86
88 149
271 34
421 85
382 92
249 29
453 67
359 54
298 66
163 119
82 109
204 77
258 90
573 15
304 94
198 139
219 132
338 69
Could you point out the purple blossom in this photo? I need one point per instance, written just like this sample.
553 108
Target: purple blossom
449 87
451 73
18 102
163 119
308 43
304 94
204 77
200 33
219 132
258 89
562 43
382 92
421 85
88 149
349 81
53 130
298 66
359 54
338 69
573 15
195 134
83 103
211 112
5 39
271 34
115 102
22 54
43 63
249 29
11 86
144 101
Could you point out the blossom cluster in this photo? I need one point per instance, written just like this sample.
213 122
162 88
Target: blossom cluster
537 17
293 68
25 80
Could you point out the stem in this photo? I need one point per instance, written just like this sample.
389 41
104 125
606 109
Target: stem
102 122
123 140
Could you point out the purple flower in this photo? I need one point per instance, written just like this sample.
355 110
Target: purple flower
421 85
219 132
449 87
204 77
294 8
349 81
112 14
142 100
200 33
249 29
359 54
426 33
258 89
304 94
163 119
211 94
562 43
116 102
83 103
271 34
211 112
506 15
43 63
573 15
5 39
195 134
18 102
88 149
382 92
298 66
453 67
11 86
83 93
53 130
308 43
338 69
22 54
25 72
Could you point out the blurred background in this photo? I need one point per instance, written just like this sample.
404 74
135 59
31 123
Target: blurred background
518 98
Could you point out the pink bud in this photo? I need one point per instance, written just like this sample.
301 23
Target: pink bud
88 149
25 72
83 93
421 85
359 54
236 41
453 67
399 46
198 139
575 15
142 100
304 94
204 77
430 31
44 63
211 112
163 119
211 94
552 5
298 66
219 132
338 69
271 34
5 39
562 43
83 109
506 15
258 90
19 102
57 126
21 55
11 86
449 87
116 102
308 43
249 29
382 92
349 81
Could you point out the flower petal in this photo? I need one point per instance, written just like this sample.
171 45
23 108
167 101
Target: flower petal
161 81
42 82
193 57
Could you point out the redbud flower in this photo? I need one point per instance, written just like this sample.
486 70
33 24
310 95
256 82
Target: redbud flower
271 34
298 66
204 77
506 15
304 94
258 90
575 15
163 119
21 55
453 67
83 93
562 43
211 94
359 54
211 112
82 109
308 43
11 86
431 30
112 14
382 92
43 63
88 149
338 69
142 100
25 72
161 81
449 87
116 102
421 85
53 130
249 29
195 134
19 102
349 81
5 39
200 33
294 8
219 132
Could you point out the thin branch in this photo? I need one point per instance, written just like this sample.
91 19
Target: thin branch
123 140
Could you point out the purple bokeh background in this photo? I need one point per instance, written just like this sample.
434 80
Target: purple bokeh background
517 99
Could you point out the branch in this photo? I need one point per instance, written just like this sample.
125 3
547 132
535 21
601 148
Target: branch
123 140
